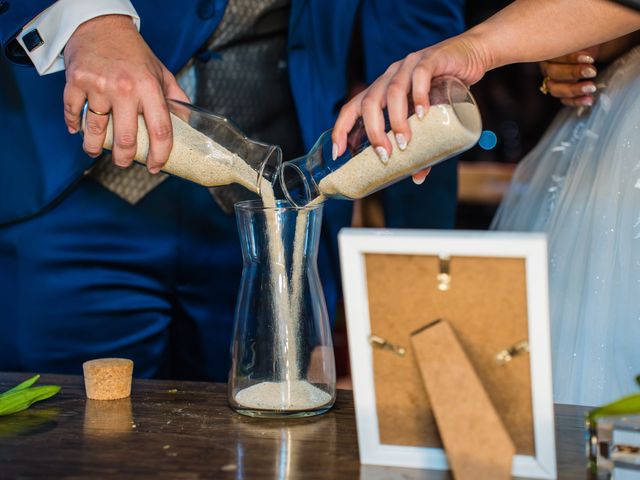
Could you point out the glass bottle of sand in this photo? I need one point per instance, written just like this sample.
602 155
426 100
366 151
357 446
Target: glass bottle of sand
282 353
451 125
207 149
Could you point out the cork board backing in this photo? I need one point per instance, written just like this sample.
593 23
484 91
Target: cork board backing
487 308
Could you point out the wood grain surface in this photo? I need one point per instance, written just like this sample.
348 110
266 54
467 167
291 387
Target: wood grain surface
185 430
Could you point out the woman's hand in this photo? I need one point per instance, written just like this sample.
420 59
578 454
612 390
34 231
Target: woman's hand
460 57
570 78
110 65
524 31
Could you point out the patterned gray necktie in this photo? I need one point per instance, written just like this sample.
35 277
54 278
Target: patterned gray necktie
241 74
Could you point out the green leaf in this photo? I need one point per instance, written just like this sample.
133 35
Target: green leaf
21 400
23 386
625 406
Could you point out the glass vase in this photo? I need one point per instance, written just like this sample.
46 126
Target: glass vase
282 352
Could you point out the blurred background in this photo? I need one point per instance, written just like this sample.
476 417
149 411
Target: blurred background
517 113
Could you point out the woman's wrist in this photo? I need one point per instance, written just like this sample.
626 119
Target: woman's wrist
482 57
558 27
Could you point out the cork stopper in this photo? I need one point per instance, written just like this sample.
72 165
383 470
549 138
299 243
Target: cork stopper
108 378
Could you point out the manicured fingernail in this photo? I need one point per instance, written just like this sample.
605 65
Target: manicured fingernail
401 141
587 102
589 72
72 130
589 89
154 170
585 59
419 181
382 154
420 111
334 151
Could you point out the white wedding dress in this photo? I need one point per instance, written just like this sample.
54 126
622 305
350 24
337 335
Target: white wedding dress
581 185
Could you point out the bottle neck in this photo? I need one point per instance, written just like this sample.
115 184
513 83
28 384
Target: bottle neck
300 178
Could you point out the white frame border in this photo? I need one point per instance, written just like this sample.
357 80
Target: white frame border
354 243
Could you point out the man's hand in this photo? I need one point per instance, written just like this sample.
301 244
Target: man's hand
110 65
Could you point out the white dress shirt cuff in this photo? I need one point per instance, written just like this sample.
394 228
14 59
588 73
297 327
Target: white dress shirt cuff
44 38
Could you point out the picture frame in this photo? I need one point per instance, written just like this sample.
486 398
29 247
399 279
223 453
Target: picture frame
356 244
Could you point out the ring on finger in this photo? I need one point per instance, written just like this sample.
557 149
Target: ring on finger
98 113
86 108
544 88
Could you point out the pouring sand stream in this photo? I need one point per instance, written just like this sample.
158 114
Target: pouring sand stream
198 158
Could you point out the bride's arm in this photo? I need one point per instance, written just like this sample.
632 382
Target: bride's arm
534 30
525 31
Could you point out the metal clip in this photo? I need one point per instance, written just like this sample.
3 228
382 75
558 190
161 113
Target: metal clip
444 277
381 343
505 356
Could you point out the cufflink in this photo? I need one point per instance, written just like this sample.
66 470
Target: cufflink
32 40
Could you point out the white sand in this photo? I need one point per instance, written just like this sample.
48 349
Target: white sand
194 156
299 255
436 136
283 396
287 324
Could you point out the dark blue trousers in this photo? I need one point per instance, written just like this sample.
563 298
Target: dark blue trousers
96 277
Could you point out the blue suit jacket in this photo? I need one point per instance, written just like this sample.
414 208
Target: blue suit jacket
39 160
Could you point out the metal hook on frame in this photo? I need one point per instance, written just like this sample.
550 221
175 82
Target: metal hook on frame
379 342
444 277
505 356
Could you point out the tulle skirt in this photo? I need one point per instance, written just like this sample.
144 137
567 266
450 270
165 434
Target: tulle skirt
581 185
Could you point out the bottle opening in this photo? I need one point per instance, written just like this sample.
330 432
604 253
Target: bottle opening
295 185
454 92
269 169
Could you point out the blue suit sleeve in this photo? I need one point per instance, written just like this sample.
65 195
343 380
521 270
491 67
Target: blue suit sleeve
187 29
13 16
392 30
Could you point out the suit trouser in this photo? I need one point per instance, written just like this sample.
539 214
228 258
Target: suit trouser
94 276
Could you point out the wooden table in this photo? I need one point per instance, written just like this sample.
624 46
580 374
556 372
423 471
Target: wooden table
185 430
